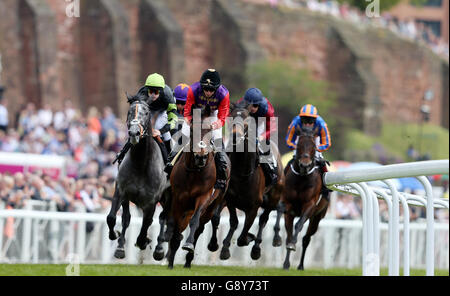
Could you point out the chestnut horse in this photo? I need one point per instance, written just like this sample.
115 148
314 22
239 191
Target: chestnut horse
194 199
302 196
247 190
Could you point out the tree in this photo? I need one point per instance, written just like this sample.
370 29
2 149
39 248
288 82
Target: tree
288 88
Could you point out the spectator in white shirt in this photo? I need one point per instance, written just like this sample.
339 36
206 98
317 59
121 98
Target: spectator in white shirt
3 114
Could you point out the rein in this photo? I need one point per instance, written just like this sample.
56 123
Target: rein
307 173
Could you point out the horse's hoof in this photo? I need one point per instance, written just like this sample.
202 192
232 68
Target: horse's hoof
142 245
186 265
119 253
158 255
290 247
242 242
113 235
225 254
276 241
213 247
300 267
170 266
286 266
256 253
188 247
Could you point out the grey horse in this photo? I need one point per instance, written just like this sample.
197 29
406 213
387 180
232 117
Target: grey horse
140 179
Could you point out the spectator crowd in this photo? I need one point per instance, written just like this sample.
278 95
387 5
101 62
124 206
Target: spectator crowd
89 144
409 29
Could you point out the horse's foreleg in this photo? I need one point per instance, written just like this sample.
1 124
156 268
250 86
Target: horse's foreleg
174 244
245 238
288 224
215 221
225 253
193 225
120 251
190 255
256 250
158 254
307 213
277 238
111 218
142 240
312 229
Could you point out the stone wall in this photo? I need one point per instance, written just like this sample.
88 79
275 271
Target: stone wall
49 57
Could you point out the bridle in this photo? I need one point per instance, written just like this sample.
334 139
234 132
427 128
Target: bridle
242 137
143 131
304 169
200 158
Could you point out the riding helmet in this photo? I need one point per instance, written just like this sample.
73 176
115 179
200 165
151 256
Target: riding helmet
254 96
210 78
309 111
180 92
155 80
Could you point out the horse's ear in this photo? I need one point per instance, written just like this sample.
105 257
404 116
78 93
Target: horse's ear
232 106
207 110
128 97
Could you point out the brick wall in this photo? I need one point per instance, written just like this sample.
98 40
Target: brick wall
115 44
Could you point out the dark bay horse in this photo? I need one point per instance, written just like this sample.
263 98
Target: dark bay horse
302 196
194 200
246 191
140 179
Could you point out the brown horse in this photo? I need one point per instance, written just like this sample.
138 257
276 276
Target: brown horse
302 196
194 199
247 187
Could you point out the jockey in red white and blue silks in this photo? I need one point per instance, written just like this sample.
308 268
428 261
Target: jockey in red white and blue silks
260 107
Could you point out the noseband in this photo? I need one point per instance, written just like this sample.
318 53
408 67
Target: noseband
304 170
135 121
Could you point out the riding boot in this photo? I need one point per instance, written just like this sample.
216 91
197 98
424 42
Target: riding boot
171 156
168 146
268 165
220 158
163 149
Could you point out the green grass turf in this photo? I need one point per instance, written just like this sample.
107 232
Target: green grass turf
159 270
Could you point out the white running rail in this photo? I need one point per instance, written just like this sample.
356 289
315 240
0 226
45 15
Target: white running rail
354 182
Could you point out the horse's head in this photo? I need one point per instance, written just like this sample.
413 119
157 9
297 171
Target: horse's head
240 125
138 118
201 136
306 149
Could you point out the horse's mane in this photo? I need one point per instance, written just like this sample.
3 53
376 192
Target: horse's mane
205 110
139 97
238 106
307 132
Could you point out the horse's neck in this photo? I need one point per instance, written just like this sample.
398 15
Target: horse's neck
143 151
244 162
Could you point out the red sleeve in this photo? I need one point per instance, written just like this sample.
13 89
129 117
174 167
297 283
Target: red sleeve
239 101
188 107
270 113
224 110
